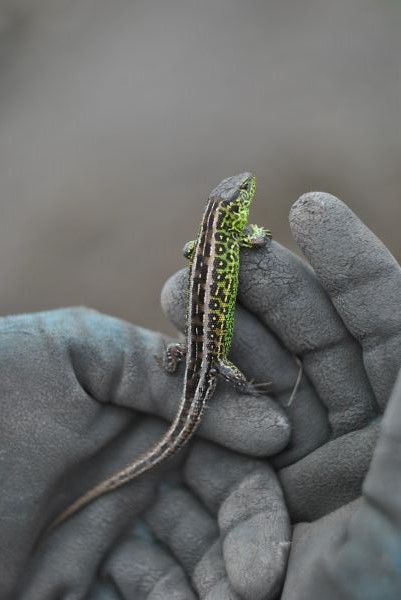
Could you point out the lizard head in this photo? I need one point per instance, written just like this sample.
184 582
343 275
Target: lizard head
235 195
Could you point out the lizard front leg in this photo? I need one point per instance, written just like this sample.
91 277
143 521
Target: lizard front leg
188 249
254 236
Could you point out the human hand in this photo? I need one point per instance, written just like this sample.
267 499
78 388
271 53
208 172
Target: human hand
73 385
354 552
343 320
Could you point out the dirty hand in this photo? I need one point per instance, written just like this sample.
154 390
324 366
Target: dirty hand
77 391
342 318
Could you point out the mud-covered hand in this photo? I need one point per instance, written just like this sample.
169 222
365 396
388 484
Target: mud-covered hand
74 389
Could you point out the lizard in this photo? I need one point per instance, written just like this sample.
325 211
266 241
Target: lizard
214 258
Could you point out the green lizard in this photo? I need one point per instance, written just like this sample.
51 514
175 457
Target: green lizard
212 289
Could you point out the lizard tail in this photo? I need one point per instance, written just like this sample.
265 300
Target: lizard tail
164 448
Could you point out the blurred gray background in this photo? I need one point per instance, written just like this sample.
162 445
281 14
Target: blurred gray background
117 118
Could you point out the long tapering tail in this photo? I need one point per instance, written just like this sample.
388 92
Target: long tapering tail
179 432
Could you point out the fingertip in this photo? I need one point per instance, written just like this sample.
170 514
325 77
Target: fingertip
256 528
332 237
254 560
313 207
173 298
172 289
252 425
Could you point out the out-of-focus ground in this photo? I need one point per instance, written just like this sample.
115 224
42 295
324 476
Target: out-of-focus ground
117 118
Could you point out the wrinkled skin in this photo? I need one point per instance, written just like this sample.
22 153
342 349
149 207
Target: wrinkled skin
82 395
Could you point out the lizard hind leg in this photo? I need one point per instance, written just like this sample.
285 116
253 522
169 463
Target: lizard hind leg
231 373
173 355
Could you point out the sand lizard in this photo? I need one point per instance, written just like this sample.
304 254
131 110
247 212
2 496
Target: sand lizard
212 289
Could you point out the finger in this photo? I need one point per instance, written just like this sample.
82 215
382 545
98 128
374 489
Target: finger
364 562
286 296
86 538
133 568
187 529
262 357
254 346
183 525
311 541
383 484
362 278
330 476
140 568
173 299
115 363
252 516
210 576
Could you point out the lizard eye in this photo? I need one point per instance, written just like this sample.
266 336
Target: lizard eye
244 186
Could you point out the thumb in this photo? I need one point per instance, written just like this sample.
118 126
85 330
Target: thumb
365 562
